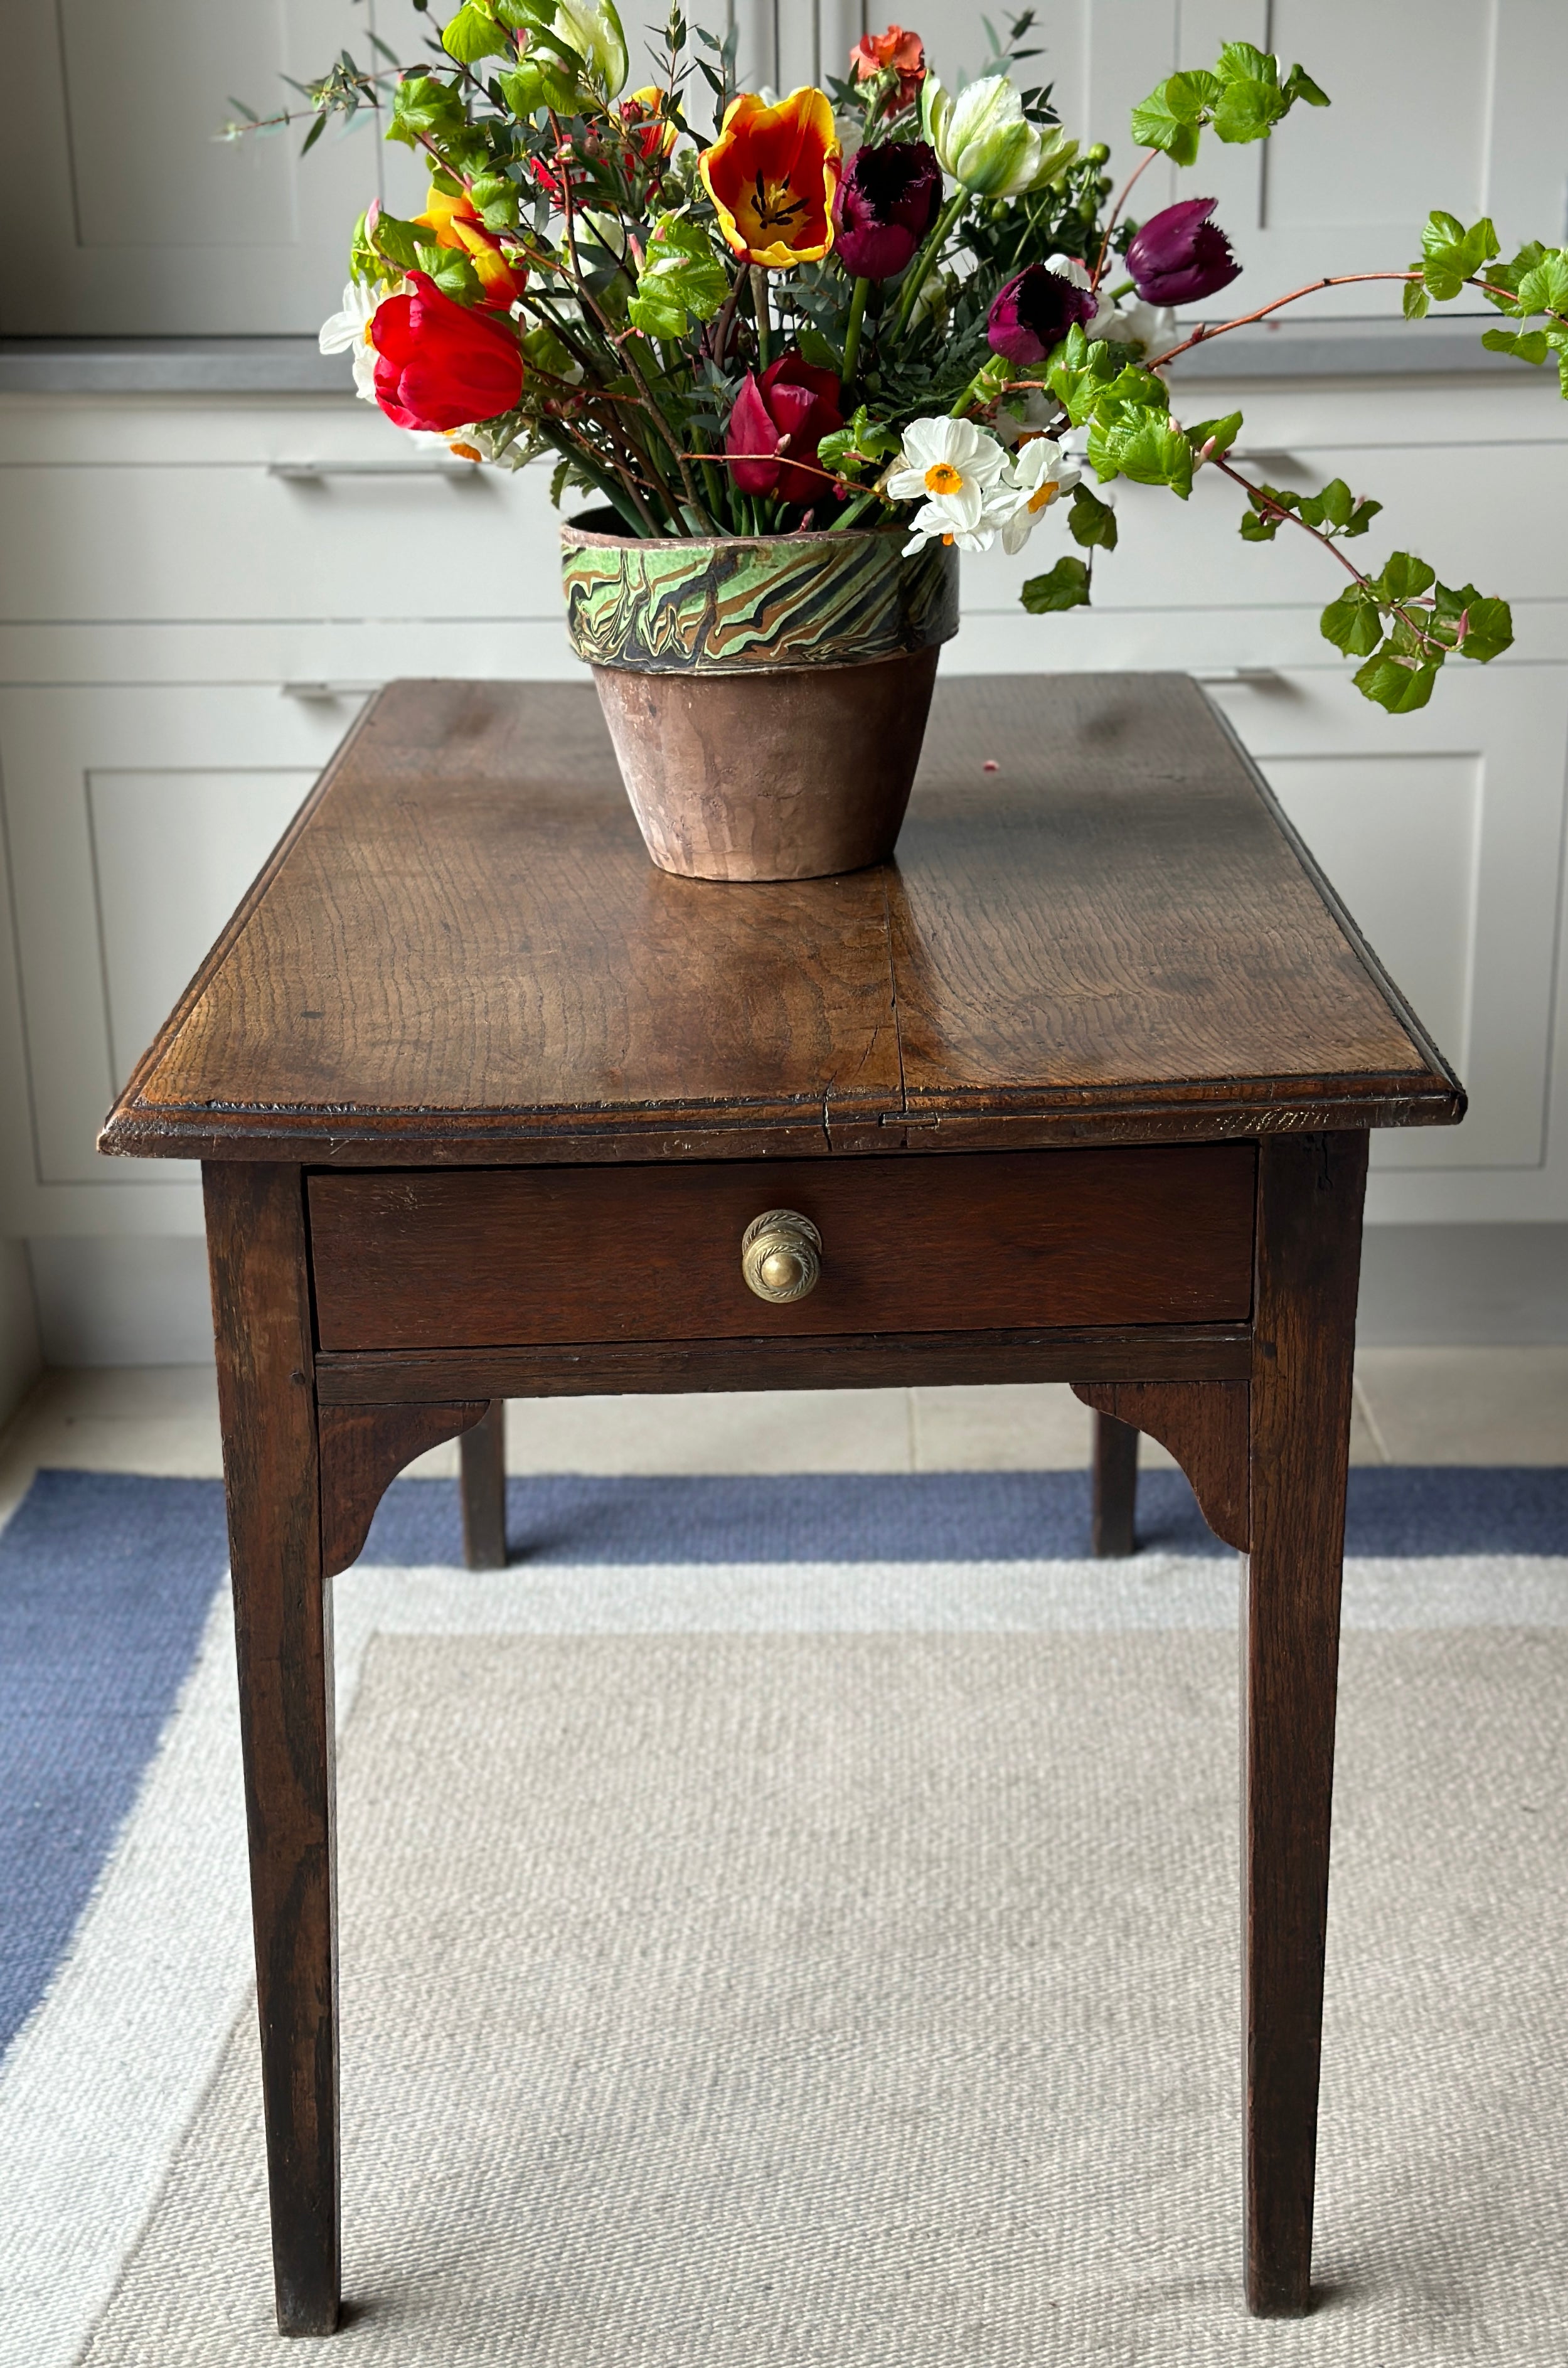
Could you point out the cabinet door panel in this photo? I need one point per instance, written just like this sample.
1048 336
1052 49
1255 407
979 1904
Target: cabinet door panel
1445 841
1452 106
137 819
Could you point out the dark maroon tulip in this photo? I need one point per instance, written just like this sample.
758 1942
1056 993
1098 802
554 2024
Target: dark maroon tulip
886 202
1180 256
1033 314
778 419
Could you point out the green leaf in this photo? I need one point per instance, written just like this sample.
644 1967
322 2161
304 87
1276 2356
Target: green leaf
1353 622
1450 254
473 34
1140 389
1140 445
398 241
1529 345
681 279
1079 374
1398 684
1263 521
1249 111
1065 586
813 348
452 272
1091 521
1405 577
1544 288
1298 84
494 200
425 106
1241 61
1170 116
1258 526
1220 433
1477 628
1418 302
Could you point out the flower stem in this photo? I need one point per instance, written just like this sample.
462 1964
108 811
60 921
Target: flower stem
853 509
916 276
759 311
852 335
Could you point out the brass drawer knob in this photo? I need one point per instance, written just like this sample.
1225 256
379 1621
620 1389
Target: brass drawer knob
781 1255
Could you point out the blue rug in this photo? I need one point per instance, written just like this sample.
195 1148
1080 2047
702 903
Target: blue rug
105 1579
121 1842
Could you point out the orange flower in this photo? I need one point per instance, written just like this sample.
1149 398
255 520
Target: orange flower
904 53
638 111
772 173
455 224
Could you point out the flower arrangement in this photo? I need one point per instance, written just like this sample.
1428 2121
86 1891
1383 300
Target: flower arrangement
887 305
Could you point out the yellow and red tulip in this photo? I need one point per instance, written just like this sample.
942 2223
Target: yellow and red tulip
771 174
654 135
455 224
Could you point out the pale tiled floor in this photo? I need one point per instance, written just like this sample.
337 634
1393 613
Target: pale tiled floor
1413 1405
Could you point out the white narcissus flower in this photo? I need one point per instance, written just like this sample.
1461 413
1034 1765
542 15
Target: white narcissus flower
349 331
1041 473
952 467
985 141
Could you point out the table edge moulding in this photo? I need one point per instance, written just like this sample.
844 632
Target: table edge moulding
1077 1089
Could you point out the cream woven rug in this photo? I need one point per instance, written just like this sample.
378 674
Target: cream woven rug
734 1992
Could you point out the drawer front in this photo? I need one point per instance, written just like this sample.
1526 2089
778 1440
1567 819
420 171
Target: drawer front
515 1257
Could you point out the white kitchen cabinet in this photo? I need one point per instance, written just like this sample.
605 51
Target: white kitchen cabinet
136 819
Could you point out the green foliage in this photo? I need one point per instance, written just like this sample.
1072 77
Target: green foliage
395 241
473 34
865 443
1354 623
452 272
1242 100
1066 585
1418 302
1131 440
1091 522
424 107
1336 512
1450 254
1535 282
1219 435
1403 624
680 281
1079 373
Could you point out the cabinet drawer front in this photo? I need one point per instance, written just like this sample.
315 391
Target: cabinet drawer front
494 1257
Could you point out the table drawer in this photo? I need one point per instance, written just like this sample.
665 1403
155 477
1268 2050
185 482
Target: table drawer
492 1257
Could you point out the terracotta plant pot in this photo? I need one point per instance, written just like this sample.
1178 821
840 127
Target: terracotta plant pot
767 695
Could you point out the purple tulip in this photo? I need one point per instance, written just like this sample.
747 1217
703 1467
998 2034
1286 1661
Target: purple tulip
886 202
1180 256
1034 311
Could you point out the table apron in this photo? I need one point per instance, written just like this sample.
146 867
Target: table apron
1198 1353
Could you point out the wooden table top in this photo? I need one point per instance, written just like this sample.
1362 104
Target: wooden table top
460 952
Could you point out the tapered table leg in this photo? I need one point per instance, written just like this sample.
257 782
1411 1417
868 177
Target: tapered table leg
1116 1485
483 1451
255 1236
1309 1238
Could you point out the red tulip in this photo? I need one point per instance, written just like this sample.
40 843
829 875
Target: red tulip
777 424
1180 256
1034 311
886 203
439 365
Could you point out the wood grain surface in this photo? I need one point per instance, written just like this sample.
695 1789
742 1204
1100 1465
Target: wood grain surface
491 1258
256 1246
1310 1191
600 1367
461 954
1204 1424
362 1449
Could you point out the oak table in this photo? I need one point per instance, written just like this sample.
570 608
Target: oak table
1078 1089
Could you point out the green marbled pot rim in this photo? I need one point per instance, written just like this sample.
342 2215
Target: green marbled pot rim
741 604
